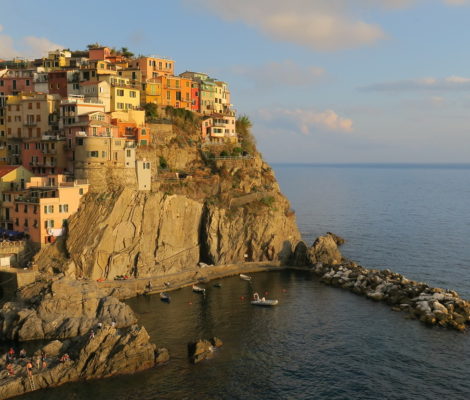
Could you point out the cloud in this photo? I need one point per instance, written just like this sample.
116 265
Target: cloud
284 73
29 46
305 121
457 2
324 25
444 84
38 46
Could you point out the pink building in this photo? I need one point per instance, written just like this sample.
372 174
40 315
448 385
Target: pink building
47 156
42 210
14 81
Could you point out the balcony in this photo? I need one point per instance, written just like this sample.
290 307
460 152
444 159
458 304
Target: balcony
30 123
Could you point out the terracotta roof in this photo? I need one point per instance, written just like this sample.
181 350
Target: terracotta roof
5 169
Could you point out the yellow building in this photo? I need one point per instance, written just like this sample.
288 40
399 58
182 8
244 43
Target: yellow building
124 95
31 115
152 92
13 178
57 59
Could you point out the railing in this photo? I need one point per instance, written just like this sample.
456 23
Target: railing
30 123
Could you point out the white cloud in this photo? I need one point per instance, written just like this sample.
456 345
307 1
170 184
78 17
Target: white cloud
305 121
443 84
325 25
320 25
283 73
38 46
29 46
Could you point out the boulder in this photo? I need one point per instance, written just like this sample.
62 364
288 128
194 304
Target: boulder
202 349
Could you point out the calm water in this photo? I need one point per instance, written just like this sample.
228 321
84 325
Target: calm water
321 342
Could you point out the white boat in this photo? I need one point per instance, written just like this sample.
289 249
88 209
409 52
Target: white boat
245 277
198 289
165 297
257 301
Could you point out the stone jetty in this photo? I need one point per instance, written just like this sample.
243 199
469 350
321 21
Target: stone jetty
433 306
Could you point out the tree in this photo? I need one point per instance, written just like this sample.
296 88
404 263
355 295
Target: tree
93 46
126 53
248 142
151 111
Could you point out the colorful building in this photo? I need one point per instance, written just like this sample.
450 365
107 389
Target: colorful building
31 115
41 211
153 67
46 156
124 95
219 128
15 81
73 107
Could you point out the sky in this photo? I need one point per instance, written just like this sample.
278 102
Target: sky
324 81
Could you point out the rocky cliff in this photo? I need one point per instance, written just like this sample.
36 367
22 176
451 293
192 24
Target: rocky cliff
201 208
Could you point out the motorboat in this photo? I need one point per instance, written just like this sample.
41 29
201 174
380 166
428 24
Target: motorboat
165 297
198 289
245 277
257 301
217 285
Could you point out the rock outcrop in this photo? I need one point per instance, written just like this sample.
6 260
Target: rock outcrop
203 349
92 335
433 306
109 352
61 308
223 211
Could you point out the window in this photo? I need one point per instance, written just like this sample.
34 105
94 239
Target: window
35 223
48 209
63 208
49 223
26 146
128 153
80 191
30 106
38 106
120 92
103 154
25 210
132 94
26 223
93 154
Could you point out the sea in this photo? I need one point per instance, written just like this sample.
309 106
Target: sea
322 342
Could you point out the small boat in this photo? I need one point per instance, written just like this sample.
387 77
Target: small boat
245 277
257 301
165 297
217 285
198 289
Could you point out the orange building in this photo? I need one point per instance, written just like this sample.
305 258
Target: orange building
153 67
41 211
171 91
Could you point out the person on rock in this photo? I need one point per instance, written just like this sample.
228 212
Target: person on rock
65 358
38 362
92 334
11 354
29 368
22 353
10 369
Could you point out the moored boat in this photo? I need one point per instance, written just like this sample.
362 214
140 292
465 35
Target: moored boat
245 277
257 301
198 289
165 297
217 285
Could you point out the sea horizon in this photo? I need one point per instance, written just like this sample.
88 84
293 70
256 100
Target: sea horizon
385 165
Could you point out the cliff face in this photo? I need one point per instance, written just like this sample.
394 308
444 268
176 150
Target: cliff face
224 211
